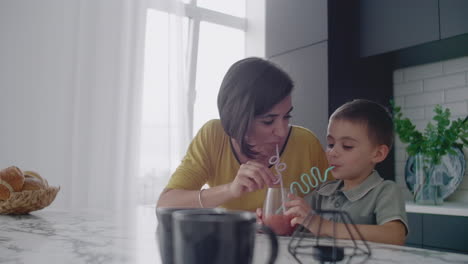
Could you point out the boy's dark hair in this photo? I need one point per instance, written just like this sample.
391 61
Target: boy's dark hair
374 115
251 87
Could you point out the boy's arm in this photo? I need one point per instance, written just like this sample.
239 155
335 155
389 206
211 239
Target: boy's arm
391 219
393 232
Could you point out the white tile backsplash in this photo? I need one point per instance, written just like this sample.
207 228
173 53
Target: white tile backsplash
420 124
400 168
457 109
400 155
417 90
423 72
398 144
413 113
397 76
408 88
423 99
444 82
456 65
458 94
399 100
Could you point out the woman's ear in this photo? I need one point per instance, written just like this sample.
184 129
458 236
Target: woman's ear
380 153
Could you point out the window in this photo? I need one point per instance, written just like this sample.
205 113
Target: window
219 47
235 8
212 36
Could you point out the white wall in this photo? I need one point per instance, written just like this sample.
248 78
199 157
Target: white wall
66 94
36 80
417 90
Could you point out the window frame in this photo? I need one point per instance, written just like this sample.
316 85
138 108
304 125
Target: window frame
195 15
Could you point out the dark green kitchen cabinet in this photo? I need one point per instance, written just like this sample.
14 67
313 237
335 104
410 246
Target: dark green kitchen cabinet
453 18
392 25
414 237
439 232
445 232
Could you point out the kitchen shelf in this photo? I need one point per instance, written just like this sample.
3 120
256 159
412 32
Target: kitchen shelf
447 208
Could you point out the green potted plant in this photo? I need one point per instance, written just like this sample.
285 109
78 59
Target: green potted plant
429 147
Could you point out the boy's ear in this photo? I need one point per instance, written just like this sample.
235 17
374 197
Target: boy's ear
380 153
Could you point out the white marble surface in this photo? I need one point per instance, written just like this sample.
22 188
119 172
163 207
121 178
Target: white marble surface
380 253
52 236
447 208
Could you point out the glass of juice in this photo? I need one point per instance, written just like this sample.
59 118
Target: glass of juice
273 211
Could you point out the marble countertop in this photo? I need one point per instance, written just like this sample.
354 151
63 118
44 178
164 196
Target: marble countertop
54 236
447 208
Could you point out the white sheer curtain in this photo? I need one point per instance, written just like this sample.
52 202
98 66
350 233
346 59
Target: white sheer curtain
180 90
71 79
132 117
106 103
189 46
167 99
70 99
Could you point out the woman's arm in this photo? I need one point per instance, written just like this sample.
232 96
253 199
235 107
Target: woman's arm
210 198
250 177
393 232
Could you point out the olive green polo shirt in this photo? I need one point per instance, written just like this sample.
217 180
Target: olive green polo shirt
373 202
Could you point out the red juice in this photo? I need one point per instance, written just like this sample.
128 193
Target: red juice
281 224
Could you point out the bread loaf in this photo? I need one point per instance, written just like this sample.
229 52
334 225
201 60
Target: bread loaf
11 180
5 190
33 181
32 184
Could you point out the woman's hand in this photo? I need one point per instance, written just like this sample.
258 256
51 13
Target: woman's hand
259 213
250 177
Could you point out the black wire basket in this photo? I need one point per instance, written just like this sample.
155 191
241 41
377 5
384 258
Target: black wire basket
304 244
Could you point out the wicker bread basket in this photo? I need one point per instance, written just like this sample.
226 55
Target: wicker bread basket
27 201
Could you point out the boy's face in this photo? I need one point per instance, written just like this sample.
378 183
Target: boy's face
350 150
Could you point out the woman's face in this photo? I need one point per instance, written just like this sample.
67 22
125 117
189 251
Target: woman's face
271 128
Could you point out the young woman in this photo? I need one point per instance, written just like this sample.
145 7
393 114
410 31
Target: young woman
232 154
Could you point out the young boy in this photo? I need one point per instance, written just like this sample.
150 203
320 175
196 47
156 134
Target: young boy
360 135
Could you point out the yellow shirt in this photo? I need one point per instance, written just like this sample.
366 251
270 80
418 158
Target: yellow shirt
210 159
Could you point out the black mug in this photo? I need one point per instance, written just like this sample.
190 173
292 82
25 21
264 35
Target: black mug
164 230
218 237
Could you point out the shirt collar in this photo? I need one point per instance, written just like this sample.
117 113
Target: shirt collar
329 188
356 193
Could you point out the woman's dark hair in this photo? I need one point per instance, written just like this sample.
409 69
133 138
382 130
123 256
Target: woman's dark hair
374 115
251 87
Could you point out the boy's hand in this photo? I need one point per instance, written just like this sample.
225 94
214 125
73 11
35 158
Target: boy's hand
301 210
298 208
